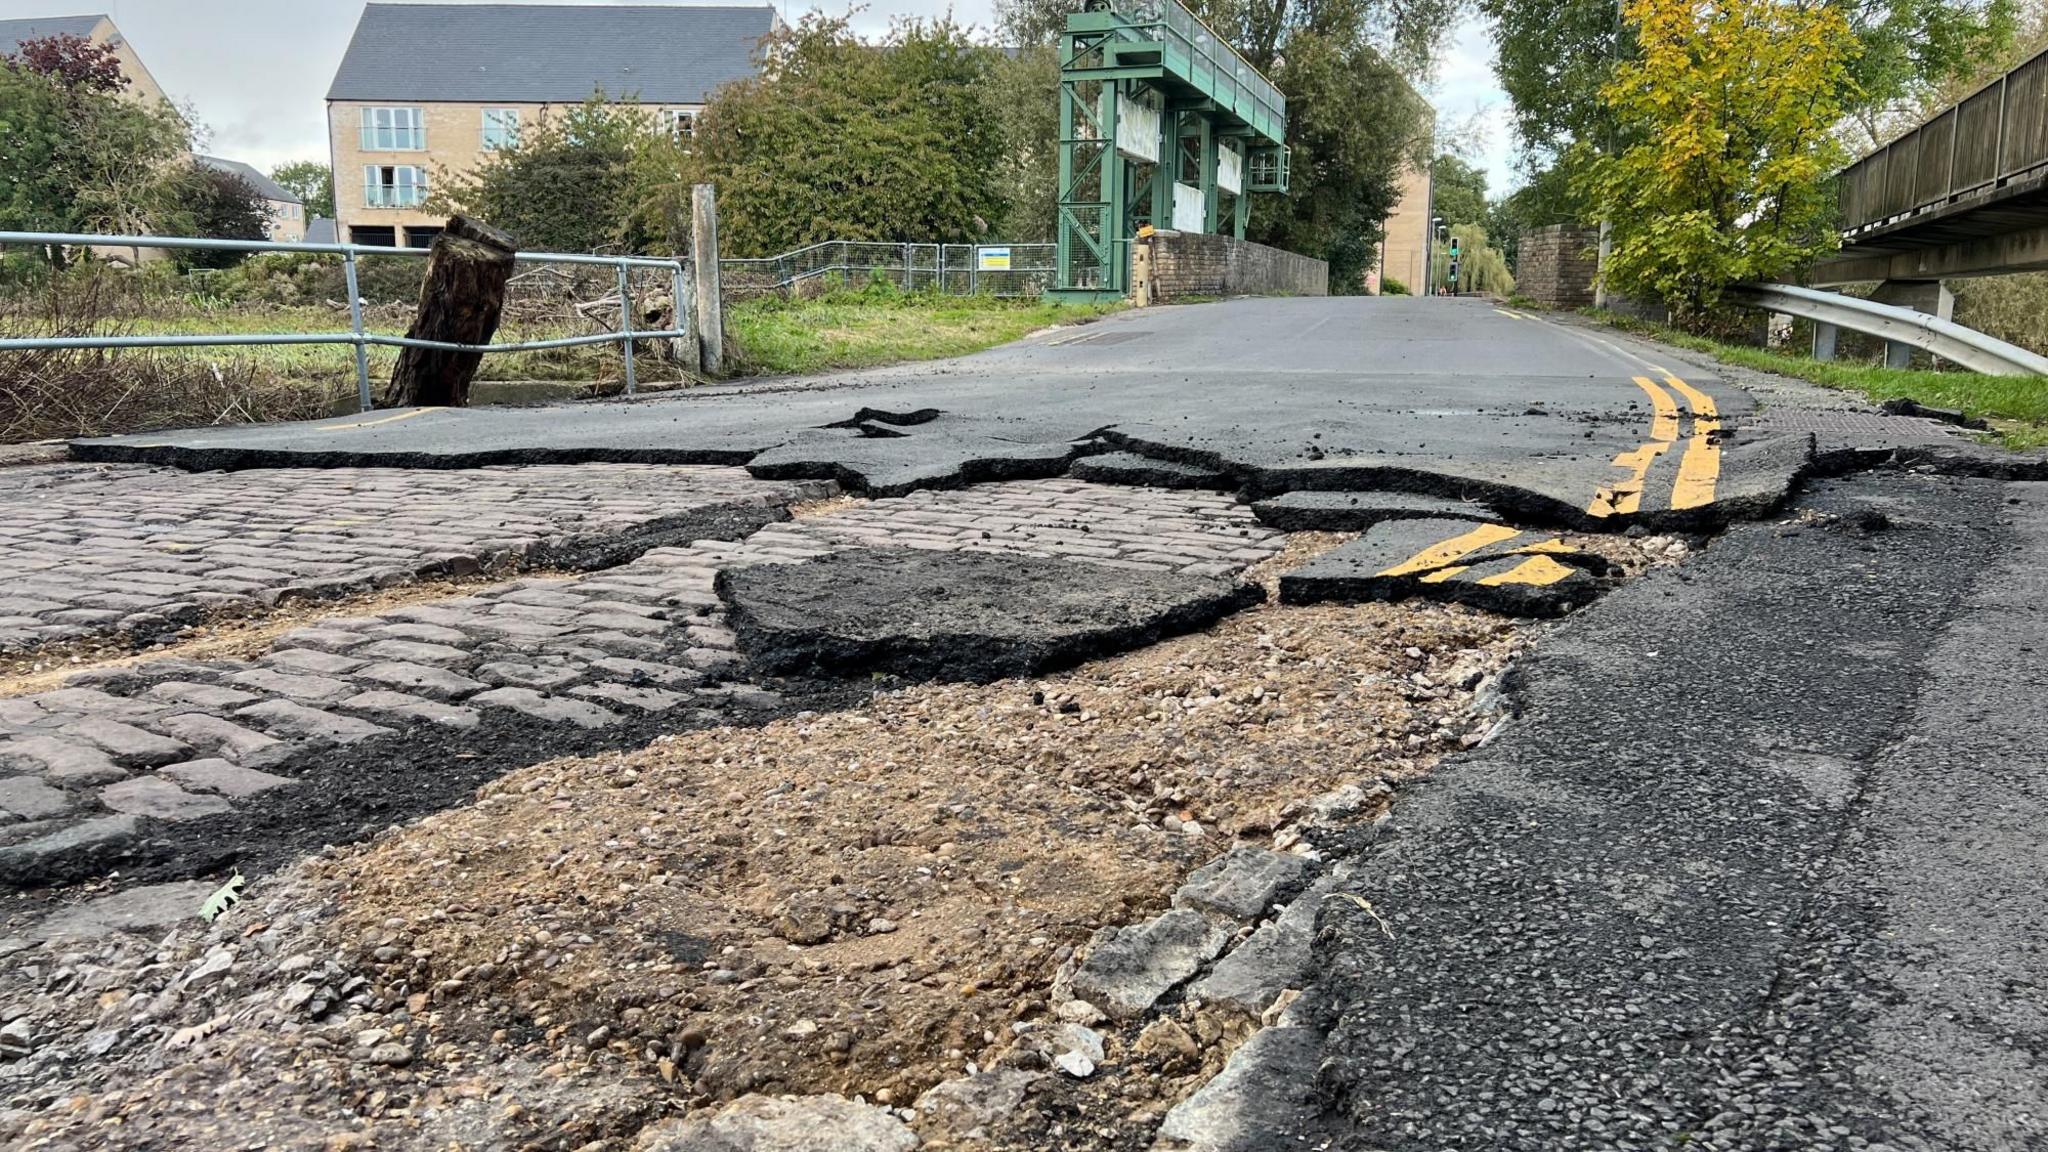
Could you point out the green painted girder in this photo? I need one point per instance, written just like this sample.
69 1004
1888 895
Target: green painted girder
1176 48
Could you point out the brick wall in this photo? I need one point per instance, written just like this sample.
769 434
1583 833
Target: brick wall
1556 266
1184 264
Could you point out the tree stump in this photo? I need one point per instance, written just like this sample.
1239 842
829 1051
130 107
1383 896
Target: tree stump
460 303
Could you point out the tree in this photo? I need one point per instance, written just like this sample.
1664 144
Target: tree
568 183
1458 190
74 62
220 206
311 181
1025 95
1729 107
840 139
1481 267
79 155
1554 59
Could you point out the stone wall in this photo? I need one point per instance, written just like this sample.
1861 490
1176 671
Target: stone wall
1556 266
1177 265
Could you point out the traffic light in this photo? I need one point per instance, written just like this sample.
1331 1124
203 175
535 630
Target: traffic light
1454 247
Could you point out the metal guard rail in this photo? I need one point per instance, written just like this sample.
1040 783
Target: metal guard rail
356 336
1945 338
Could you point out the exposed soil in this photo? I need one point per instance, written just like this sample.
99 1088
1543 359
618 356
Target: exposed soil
864 901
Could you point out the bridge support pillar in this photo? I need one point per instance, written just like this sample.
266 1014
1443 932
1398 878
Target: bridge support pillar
1929 296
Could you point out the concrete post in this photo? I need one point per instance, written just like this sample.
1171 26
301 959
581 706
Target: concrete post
1929 296
1600 269
704 249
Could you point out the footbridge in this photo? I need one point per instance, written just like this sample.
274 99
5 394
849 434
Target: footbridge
1964 193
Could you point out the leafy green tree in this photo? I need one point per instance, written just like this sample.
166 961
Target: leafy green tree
1481 267
77 154
1730 109
569 184
1025 92
1458 190
220 206
1554 59
841 139
311 181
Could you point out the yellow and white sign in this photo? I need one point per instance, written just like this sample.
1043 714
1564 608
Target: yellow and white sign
992 259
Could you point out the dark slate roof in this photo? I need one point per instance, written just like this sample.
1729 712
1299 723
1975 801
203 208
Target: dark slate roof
13 32
547 53
320 230
266 187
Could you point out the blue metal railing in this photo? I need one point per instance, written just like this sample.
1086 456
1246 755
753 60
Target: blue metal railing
356 335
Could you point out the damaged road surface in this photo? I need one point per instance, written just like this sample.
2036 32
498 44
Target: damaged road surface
1326 724
1541 421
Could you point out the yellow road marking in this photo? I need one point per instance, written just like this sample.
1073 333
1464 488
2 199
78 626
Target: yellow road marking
1664 422
1443 574
1510 315
1535 570
405 415
1700 468
1438 555
1625 497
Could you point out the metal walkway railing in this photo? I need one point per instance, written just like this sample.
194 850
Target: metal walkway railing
356 335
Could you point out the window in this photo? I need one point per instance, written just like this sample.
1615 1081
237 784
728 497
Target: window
393 130
680 122
394 185
373 237
501 128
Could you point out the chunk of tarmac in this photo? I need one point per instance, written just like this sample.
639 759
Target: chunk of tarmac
974 616
1488 566
1358 511
1148 471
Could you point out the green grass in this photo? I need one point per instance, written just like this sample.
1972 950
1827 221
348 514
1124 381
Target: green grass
872 327
2016 406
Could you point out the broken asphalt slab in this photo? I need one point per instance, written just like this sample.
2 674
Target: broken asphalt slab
970 615
1490 566
1440 397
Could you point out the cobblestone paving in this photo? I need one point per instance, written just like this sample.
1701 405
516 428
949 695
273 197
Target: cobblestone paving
1199 533
98 549
86 769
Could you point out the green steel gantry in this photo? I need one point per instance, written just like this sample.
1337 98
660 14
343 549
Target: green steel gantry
1160 120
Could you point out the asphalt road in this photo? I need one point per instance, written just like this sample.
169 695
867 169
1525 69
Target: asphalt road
1756 866
1454 396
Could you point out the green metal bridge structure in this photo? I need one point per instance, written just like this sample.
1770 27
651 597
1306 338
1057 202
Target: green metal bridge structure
1160 122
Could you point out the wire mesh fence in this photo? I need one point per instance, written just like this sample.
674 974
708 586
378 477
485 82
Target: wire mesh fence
949 269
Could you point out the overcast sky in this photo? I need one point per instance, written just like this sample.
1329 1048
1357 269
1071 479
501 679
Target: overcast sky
257 70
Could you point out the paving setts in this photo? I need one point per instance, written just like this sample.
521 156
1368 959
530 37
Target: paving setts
90 550
89 767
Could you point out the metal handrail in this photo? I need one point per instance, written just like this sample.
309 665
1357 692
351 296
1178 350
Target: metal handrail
356 335
1945 338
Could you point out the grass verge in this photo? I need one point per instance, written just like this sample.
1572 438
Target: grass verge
881 325
2016 406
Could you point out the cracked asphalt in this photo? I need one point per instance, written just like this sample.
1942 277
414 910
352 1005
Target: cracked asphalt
1447 396
1755 862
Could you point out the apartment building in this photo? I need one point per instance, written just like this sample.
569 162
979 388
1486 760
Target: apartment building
1404 252
287 221
428 90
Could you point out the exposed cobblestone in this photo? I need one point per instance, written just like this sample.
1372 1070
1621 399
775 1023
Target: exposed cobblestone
648 637
89 550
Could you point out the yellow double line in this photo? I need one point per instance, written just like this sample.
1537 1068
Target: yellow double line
1699 469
